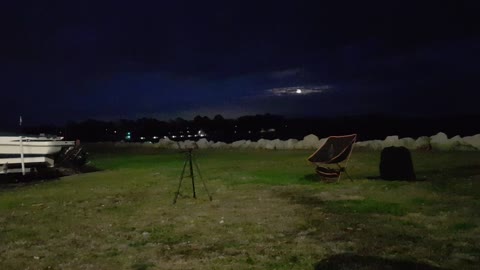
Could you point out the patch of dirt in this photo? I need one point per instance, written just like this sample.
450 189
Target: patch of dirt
329 196
352 261
318 198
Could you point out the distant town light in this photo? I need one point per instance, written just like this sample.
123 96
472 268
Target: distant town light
202 133
142 138
173 136
155 137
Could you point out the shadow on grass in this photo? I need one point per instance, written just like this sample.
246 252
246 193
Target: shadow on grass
311 178
317 179
458 171
353 261
343 204
9 181
378 178
301 198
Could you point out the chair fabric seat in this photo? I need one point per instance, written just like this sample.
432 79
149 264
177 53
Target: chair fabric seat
335 150
327 172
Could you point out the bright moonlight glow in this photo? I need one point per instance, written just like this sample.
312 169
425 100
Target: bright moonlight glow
299 90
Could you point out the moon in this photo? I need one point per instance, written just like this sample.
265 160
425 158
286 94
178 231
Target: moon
299 91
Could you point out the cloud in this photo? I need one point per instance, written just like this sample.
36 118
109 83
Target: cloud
298 90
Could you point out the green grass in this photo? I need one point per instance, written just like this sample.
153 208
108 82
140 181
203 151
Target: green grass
366 207
269 211
463 226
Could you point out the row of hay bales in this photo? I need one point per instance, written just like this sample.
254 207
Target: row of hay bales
439 141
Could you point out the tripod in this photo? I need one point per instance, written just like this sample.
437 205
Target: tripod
189 158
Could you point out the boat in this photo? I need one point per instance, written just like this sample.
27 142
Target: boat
38 145
22 153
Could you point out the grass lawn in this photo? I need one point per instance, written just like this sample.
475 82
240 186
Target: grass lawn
268 212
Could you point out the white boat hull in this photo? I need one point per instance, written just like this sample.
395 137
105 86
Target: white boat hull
31 146
21 154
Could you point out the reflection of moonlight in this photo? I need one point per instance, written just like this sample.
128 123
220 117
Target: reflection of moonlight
299 91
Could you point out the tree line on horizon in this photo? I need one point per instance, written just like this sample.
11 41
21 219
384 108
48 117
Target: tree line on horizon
255 127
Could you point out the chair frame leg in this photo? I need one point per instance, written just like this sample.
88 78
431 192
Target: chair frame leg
342 169
348 175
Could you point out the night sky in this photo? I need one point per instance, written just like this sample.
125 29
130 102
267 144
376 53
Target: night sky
74 60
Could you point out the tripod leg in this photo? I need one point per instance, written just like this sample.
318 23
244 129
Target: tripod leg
180 182
203 181
191 173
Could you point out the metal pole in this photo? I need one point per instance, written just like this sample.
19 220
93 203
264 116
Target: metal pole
21 156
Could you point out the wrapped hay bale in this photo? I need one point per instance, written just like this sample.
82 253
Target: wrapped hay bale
409 143
422 143
391 141
246 144
291 144
270 145
473 141
311 142
219 145
237 144
167 143
203 143
261 144
459 144
375 144
440 141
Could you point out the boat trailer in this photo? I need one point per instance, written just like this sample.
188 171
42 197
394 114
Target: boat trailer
24 165
69 157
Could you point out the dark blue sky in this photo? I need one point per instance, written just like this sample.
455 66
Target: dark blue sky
73 60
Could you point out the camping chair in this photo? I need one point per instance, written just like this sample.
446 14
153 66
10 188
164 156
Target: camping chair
335 150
